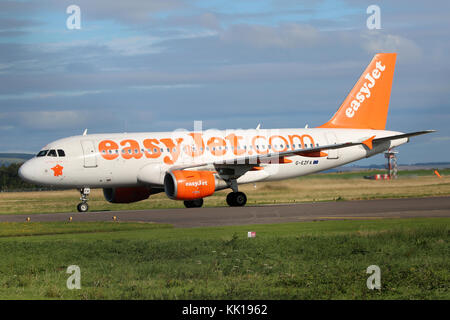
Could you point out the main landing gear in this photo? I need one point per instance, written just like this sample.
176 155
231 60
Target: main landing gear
83 206
236 198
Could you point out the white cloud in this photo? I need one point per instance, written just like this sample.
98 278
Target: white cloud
134 45
44 95
441 139
49 120
375 42
284 36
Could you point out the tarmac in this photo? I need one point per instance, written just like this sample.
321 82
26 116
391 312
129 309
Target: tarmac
262 214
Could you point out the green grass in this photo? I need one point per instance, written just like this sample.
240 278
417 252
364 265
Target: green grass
54 228
308 260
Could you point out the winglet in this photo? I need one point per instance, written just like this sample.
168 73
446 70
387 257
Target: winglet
368 142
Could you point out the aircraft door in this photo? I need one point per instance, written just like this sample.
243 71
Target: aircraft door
90 156
331 139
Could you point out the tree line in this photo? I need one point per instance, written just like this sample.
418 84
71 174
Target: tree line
10 180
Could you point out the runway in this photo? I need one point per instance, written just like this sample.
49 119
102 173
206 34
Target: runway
264 214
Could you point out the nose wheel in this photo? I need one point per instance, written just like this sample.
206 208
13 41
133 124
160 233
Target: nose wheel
236 199
83 206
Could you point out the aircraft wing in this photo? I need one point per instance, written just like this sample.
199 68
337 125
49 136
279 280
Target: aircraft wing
280 157
269 157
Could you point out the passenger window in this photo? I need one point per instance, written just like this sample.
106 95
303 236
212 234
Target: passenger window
42 153
61 153
51 153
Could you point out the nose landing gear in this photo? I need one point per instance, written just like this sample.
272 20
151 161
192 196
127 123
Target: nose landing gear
83 206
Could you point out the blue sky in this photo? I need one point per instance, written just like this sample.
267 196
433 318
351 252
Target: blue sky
159 65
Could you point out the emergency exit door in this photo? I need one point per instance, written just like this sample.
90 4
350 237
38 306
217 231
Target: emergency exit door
331 139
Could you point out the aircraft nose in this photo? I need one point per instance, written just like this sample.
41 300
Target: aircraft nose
26 172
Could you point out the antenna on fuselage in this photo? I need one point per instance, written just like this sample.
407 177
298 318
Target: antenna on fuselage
259 126
306 127
85 132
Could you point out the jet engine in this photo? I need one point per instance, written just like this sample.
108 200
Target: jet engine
126 195
189 185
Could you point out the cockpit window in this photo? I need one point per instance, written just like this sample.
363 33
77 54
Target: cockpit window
42 153
51 153
61 153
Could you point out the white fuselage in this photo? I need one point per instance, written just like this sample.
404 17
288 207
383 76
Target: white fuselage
135 159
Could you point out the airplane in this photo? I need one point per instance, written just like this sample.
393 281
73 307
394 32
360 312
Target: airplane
190 166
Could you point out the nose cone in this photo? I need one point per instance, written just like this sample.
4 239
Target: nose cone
26 172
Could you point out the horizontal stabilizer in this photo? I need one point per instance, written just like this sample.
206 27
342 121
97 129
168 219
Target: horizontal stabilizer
405 135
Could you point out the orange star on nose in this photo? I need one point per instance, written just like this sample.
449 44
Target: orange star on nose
57 170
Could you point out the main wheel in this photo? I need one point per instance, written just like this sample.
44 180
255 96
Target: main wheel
197 203
82 207
230 199
236 199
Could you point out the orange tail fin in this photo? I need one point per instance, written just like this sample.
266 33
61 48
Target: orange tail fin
366 106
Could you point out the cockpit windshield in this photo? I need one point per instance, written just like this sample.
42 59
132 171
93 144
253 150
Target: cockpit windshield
51 153
42 153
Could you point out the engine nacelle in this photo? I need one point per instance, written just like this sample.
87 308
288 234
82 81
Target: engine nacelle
126 195
189 185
